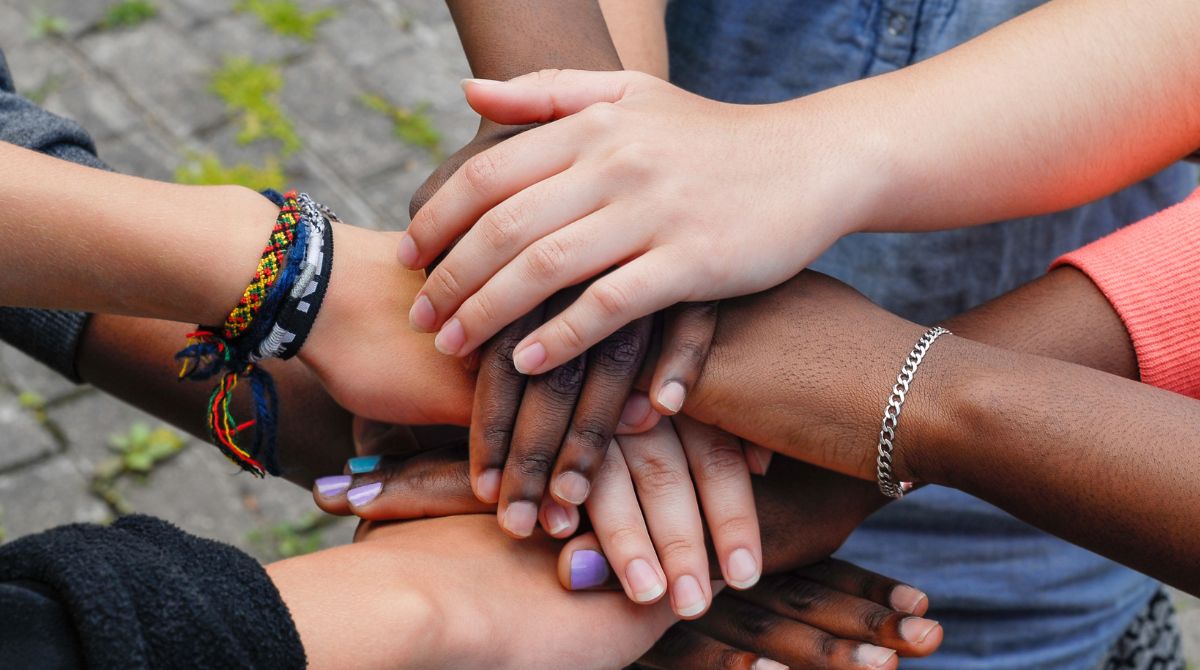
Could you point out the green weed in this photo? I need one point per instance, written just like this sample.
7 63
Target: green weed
47 25
136 452
411 125
207 170
291 538
285 17
252 90
129 13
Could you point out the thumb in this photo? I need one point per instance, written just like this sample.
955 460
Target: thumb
547 95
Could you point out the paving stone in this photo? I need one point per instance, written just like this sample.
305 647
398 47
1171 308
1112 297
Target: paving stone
361 33
141 154
89 422
15 30
25 374
323 183
47 494
358 142
390 192
163 72
186 13
244 35
79 15
24 440
34 64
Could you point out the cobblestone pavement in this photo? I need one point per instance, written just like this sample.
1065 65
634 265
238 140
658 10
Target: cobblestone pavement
373 97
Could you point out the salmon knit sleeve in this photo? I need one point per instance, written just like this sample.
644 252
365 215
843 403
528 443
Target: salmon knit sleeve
1150 272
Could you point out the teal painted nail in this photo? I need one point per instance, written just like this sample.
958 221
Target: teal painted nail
363 464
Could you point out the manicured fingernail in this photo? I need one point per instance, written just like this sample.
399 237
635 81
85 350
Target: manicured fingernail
529 358
329 487
487 487
481 82
643 581
637 409
671 396
450 338
915 629
407 252
906 599
361 495
422 317
556 517
872 656
520 517
743 569
687 597
361 465
588 569
768 664
572 487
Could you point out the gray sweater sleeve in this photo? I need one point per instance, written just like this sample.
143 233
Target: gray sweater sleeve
51 337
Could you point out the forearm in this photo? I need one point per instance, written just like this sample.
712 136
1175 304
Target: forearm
1070 102
639 33
82 238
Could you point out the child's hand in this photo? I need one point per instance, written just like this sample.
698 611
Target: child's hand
692 199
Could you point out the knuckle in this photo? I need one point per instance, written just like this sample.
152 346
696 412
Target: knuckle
569 334
626 536
753 621
801 595
675 549
534 464
690 349
621 351
546 259
656 475
480 171
566 380
612 299
591 434
501 226
601 116
548 75
722 461
496 436
483 307
875 619
732 527
443 281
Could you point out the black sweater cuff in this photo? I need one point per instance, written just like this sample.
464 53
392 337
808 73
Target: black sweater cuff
143 594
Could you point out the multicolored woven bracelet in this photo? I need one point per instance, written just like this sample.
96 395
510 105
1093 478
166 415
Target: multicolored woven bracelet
272 320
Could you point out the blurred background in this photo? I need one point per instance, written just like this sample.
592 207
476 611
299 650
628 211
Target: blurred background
355 101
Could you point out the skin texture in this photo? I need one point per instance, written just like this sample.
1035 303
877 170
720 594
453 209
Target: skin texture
618 179
550 433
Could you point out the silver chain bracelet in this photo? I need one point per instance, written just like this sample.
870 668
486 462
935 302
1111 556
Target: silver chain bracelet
888 485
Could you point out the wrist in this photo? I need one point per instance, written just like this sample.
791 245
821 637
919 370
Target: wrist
239 223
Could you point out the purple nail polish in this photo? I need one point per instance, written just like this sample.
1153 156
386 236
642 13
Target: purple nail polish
361 495
589 569
329 487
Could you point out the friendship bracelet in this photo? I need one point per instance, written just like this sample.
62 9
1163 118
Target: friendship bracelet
884 474
272 320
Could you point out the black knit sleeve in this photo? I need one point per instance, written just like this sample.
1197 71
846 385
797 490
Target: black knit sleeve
49 336
143 594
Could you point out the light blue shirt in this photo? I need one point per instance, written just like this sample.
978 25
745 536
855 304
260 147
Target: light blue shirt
1009 596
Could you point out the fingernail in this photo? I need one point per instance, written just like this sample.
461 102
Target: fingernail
906 599
556 516
637 408
643 581
872 656
915 629
481 82
422 317
688 597
329 487
758 459
768 664
588 569
671 396
487 487
520 517
529 358
361 465
361 495
572 487
450 338
743 569
407 252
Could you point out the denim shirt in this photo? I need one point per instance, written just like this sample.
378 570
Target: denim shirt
1009 596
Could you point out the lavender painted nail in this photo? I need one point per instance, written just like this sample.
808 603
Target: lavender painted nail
361 495
329 487
588 569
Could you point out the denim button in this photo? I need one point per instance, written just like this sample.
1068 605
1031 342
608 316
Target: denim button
897 24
